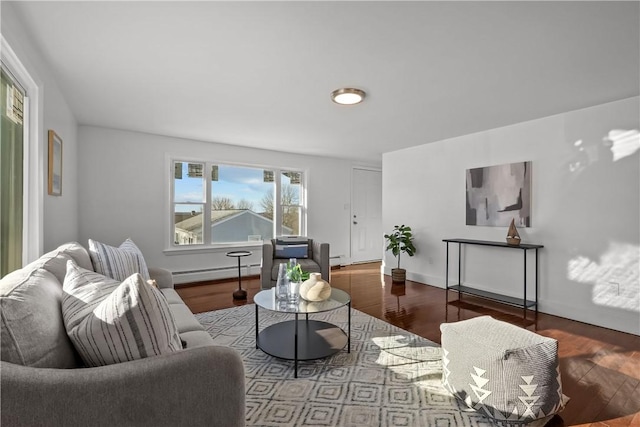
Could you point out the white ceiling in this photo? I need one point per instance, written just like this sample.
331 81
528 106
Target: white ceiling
259 74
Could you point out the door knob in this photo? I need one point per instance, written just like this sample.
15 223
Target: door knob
355 222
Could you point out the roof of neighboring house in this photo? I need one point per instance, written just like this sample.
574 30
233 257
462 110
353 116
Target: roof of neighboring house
217 217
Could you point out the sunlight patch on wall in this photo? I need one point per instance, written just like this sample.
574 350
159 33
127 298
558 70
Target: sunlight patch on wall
623 142
614 146
578 163
615 276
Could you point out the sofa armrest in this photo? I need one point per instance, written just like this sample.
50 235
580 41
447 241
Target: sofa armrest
194 387
162 276
321 256
266 265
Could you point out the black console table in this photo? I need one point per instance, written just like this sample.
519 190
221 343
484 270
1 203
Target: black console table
523 302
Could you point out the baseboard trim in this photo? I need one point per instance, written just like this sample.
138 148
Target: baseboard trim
214 273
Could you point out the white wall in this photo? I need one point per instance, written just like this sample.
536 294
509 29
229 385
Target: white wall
123 180
59 214
586 212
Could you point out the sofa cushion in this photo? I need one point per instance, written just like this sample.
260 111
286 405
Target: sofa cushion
193 339
171 295
111 322
32 331
55 261
184 318
502 371
118 263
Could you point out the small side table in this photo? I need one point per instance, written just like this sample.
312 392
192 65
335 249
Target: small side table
239 293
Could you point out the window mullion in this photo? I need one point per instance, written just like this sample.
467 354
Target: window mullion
172 204
302 202
206 233
277 207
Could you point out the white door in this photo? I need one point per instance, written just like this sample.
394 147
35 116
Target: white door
366 216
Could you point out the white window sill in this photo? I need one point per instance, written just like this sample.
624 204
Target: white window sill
221 248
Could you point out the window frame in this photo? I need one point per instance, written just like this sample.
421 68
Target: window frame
206 233
207 245
33 154
301 200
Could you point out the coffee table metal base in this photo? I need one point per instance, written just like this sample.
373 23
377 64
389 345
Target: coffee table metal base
302 339
316 340
313 339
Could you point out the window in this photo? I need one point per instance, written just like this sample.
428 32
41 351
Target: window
20 92
239 200
11 173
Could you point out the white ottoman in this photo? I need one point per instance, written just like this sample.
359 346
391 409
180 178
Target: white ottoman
504 372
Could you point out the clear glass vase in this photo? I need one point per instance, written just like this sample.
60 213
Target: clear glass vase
293 292
294 279
282 285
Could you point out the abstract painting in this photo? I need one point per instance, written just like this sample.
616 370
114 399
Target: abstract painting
498 194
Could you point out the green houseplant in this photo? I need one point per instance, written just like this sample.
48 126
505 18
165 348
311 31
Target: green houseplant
398 241
295 273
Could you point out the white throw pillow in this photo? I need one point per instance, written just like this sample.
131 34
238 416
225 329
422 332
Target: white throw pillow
118 263
111 322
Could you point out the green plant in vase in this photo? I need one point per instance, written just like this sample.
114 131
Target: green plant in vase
398 241
295 273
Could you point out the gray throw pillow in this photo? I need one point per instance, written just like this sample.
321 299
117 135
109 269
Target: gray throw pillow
55 261
32 331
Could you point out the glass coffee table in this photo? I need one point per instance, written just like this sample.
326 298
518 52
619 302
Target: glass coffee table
302 339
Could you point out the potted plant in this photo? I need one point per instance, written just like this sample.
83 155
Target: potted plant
398 241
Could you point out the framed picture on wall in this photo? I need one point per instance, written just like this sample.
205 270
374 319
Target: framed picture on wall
55 164
498 194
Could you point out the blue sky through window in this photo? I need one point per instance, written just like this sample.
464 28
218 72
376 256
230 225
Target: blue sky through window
234 182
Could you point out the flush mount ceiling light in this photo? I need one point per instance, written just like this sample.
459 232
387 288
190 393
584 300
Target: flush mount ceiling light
347 96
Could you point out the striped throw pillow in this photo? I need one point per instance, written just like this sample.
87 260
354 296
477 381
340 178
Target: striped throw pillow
111 322
118 263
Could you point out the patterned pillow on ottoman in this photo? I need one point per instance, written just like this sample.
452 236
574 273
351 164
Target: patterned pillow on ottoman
502 371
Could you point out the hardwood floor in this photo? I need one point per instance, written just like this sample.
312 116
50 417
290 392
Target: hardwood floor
600 367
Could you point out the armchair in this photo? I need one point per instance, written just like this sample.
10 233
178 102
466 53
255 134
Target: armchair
317 261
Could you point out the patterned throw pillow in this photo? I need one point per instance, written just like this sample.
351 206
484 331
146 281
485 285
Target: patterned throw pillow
118 263
112 322
504 372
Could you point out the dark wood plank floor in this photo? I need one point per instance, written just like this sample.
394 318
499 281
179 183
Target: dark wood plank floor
600 367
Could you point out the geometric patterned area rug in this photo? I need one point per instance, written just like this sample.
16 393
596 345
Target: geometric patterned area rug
391 377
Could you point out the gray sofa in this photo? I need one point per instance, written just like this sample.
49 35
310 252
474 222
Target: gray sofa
316 262
44 383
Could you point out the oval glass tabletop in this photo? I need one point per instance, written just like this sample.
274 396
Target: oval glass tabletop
267 299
